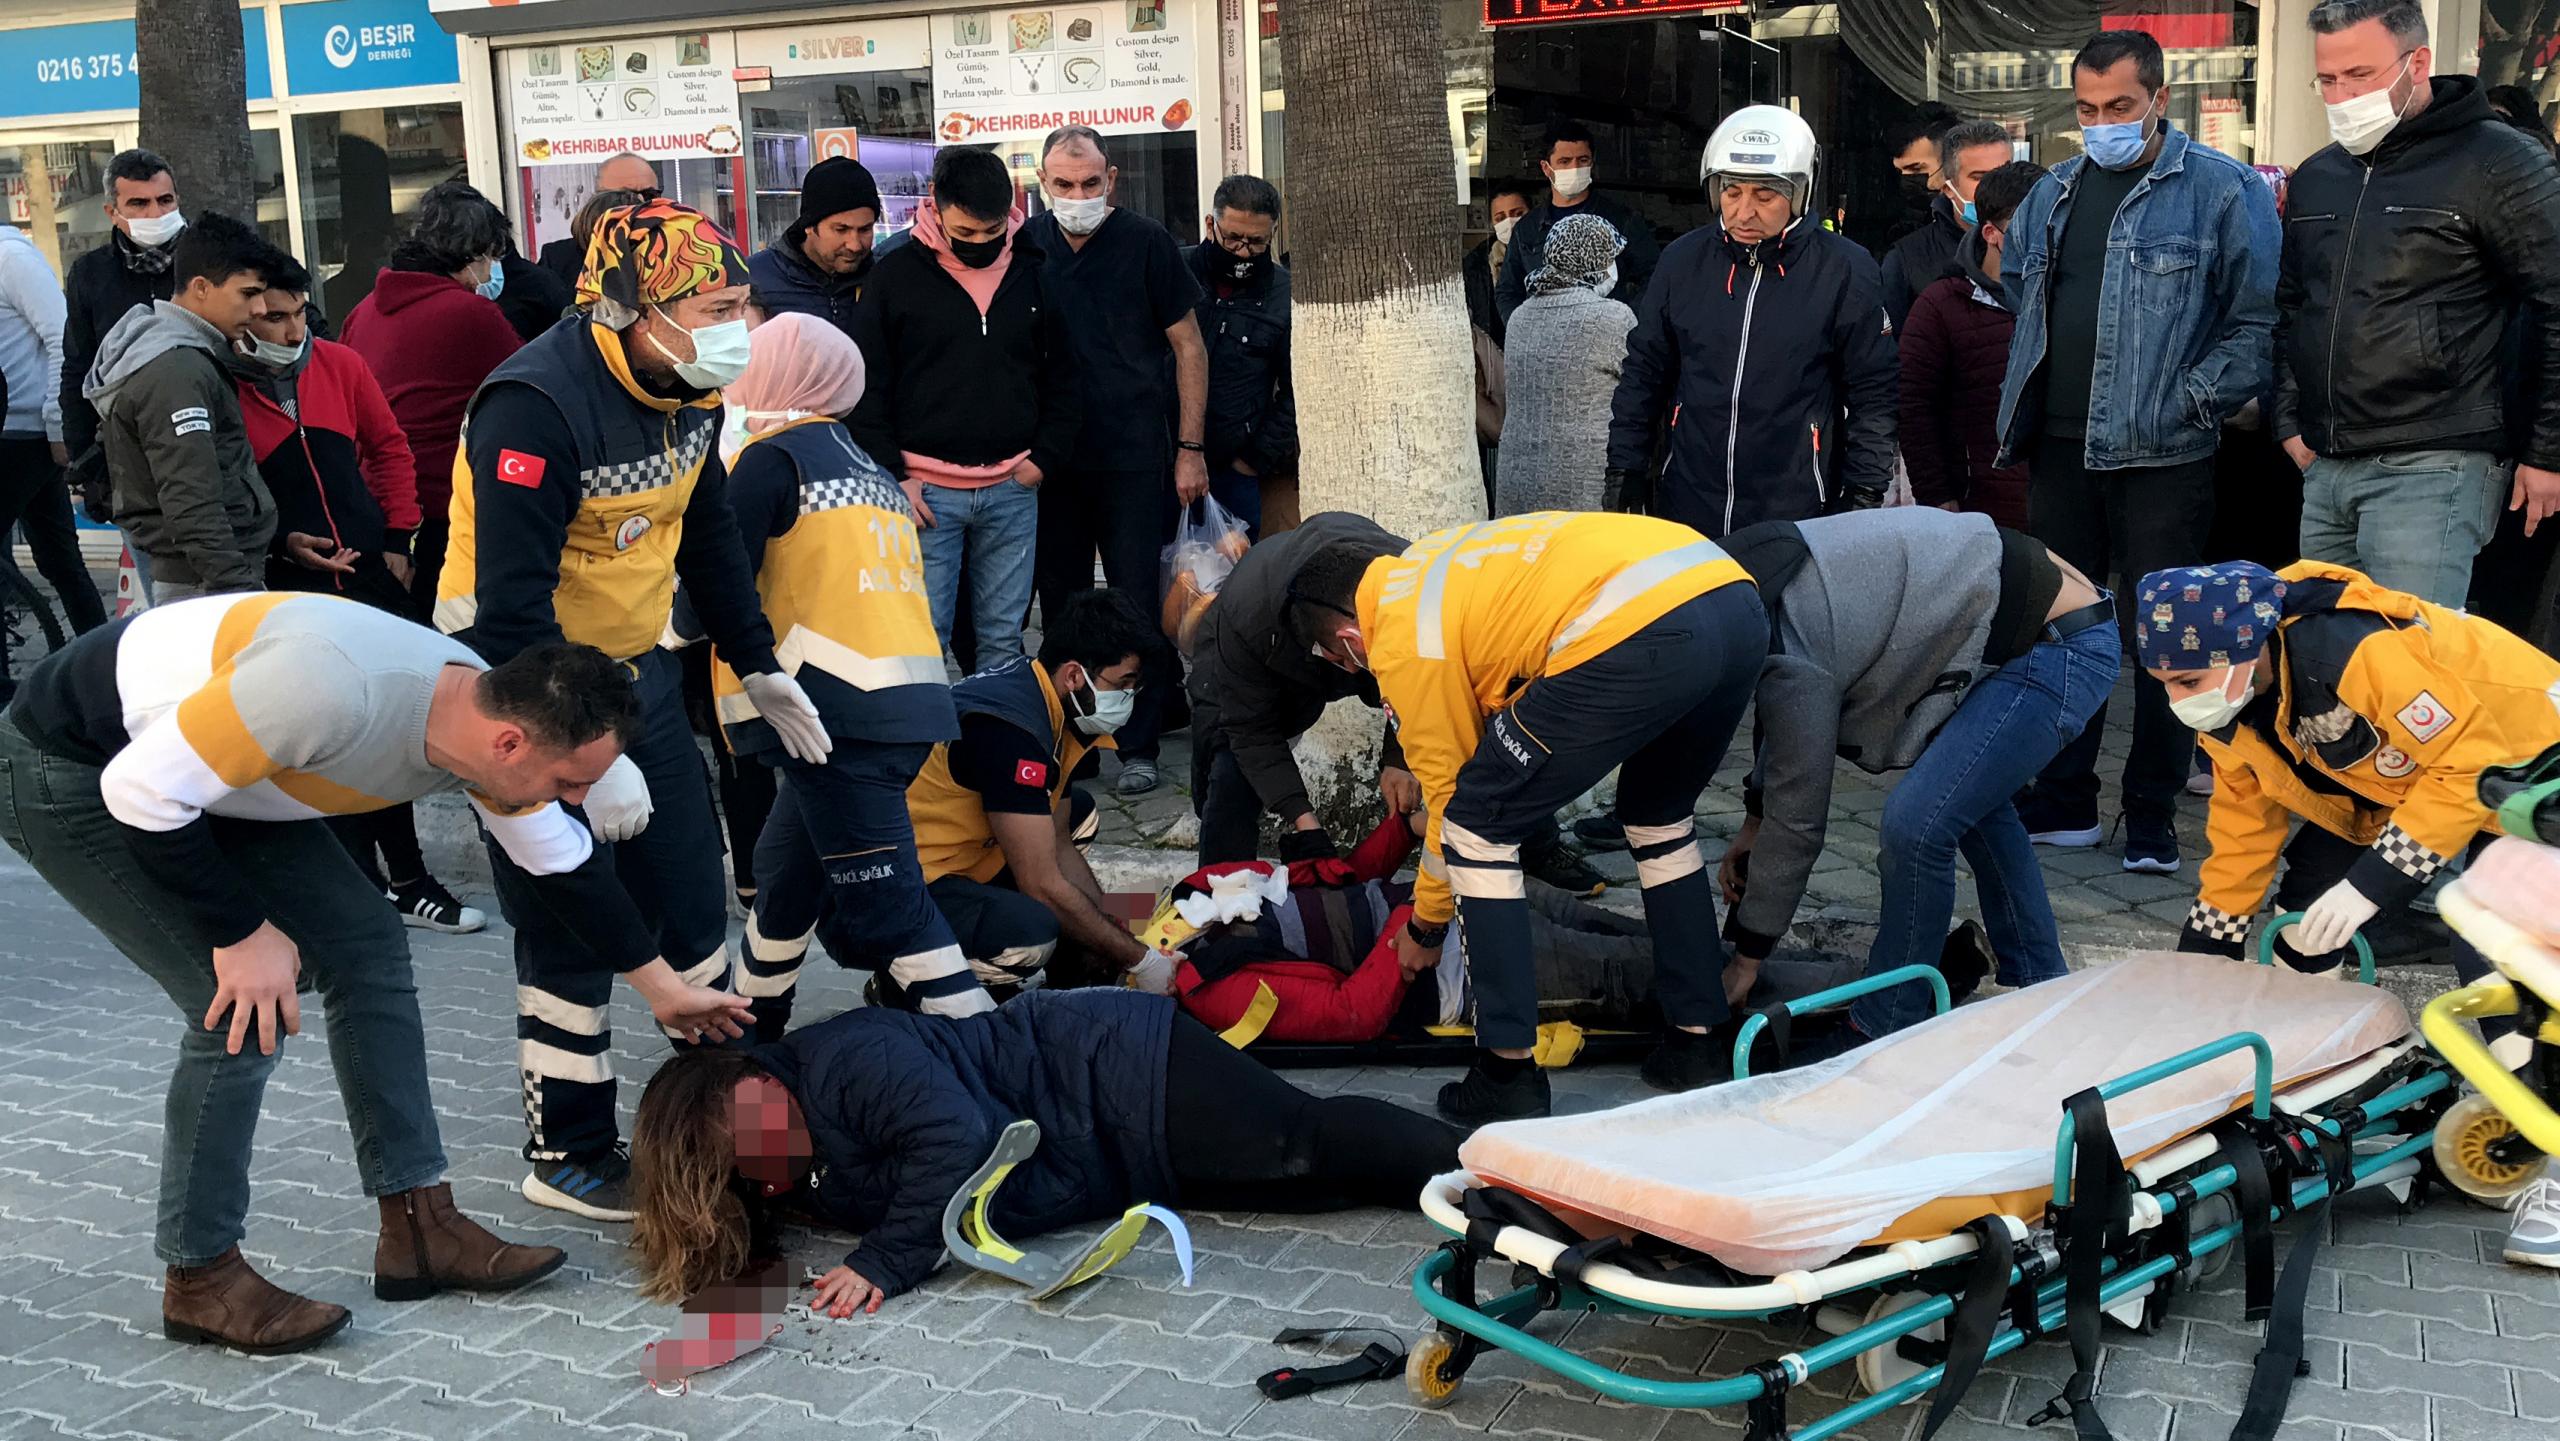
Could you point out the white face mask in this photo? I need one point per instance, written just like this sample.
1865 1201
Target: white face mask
2359 124
2213 708
720 354
1570 180
1080 217
1607 284
155 230
272 355
737 427
1111 710
1502 229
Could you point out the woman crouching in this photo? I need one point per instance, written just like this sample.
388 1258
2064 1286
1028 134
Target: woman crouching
871 1121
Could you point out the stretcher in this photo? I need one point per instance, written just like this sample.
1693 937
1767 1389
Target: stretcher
2083 1148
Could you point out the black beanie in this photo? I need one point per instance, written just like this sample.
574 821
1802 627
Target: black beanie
834 186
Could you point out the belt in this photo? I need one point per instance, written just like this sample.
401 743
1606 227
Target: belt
2101 611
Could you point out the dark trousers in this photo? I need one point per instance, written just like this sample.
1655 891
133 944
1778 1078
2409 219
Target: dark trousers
426 565
1229 810
392 834
1127 515
997 927
838 856
744 787
34 497
1243 1139
1661 705
672 872
2128 523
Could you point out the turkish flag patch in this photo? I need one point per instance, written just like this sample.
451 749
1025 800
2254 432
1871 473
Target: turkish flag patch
517 468
1032 773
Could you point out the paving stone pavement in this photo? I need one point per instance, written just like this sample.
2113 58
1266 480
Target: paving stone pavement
2417 1333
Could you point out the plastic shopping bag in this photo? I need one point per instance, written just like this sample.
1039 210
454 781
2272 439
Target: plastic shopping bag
1206 546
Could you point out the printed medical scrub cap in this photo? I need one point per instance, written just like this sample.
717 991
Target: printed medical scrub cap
654 253
2201 617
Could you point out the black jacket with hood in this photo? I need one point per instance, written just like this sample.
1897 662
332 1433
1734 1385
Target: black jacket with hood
1917 260
959 386
102 287
185 479
1254 679
2401 270
1253 414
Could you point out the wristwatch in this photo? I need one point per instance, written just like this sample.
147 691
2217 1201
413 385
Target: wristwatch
1426 935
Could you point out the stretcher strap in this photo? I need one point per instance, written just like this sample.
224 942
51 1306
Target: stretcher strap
1976 1318
1256 1018
2280 1362
2100 1198
2256 1197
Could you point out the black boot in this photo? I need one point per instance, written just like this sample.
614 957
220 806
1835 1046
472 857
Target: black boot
1496 1089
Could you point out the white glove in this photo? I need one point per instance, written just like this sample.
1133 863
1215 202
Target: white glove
793 716
2332 920
618 804
1154 975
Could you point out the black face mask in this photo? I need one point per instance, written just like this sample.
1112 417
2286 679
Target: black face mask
1243 269
1915 188
976 254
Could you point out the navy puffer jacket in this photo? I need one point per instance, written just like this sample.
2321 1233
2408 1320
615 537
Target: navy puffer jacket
903 1108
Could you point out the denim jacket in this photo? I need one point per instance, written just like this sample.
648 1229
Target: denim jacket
2186 319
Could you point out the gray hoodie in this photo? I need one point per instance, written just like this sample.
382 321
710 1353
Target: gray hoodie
1880 634
186 483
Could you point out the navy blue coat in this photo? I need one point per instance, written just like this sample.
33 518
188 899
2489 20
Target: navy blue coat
790 285
902 1109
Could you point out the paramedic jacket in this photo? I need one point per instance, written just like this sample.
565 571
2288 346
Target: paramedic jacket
579 497
1466 617
952 834
278 707
1775 371
834 551
2385 712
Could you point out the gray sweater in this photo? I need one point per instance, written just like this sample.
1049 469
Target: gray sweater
1560 366
1879 637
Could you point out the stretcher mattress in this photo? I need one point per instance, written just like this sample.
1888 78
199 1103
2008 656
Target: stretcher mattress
1949 1119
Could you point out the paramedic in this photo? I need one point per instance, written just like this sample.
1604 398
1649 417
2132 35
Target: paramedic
999 830
584 488
1922 640
2366 713
834 549
171 773
1523 658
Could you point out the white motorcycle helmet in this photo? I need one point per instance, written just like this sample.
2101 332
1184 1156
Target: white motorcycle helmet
1768 143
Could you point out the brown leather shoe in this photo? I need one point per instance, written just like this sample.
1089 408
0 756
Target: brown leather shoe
229 1304
427 1246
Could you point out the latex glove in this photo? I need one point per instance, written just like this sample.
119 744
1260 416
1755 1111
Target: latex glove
1154 974
2332 920
618 804
793 716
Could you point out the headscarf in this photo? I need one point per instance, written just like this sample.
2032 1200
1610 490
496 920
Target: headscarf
1579 251
2203 617
798 366
653 253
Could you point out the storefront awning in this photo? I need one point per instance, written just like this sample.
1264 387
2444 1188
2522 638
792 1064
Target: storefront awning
516 17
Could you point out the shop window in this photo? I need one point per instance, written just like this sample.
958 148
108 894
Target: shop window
57 194
891 113
1159 177
361 173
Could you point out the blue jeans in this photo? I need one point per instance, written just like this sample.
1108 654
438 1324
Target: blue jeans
986 535
355 953
2412 520
1957 797
1241 494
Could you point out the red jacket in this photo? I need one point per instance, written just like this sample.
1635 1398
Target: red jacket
1316 1002
1955 349
430 341
343 468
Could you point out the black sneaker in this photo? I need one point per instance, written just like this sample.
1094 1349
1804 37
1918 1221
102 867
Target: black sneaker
598 1188
1563 867
1965 959
1600 833
1478 1097
1687 1060
2055 824
2150 845
426 904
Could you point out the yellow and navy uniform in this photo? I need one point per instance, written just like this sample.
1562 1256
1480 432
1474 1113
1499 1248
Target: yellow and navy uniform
1467 616
579 497
952 834
836 560
2385 711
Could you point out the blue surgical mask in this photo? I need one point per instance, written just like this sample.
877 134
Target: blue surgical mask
1968 213
2119 146
495 284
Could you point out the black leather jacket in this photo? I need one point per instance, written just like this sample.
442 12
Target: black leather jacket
2401 270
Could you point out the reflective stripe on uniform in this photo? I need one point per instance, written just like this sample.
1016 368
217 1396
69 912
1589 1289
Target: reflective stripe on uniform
1664 854
1634 581
1428 640
1481 869
562 1015
456 612
551 1063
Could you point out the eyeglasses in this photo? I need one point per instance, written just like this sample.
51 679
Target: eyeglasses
2361 79
1241 244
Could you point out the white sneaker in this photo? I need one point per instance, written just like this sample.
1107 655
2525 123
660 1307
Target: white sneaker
2534 1239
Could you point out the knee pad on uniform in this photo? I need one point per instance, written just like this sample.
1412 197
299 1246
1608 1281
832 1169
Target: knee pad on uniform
1664 854
1480 869
771 967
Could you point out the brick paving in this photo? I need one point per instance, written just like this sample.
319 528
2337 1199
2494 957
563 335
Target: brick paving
2417 1332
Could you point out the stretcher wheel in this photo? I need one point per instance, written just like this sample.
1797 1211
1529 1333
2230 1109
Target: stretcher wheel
1882 1366
1427 1377
2462 1150
2212 1214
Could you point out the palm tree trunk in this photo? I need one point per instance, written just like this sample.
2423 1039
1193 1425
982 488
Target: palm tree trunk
195 101
1384 366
